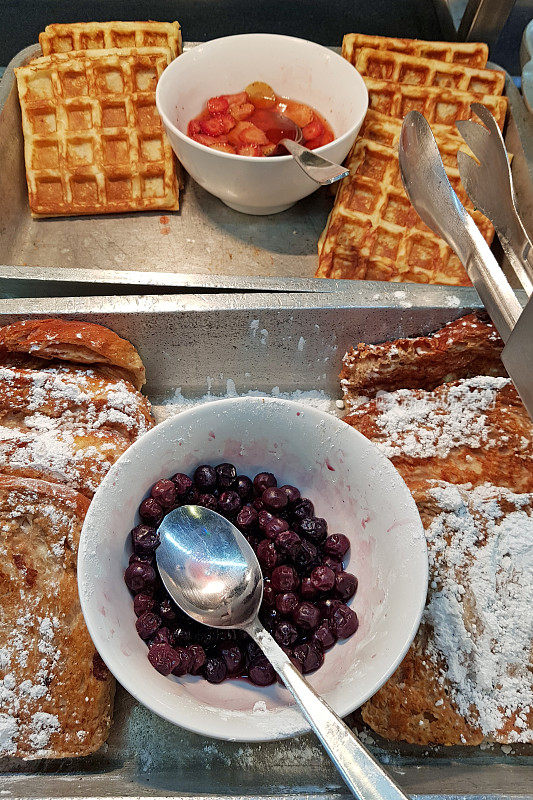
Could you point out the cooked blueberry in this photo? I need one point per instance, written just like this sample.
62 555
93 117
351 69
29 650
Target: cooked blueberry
307 557
258 504
233 658
337 545
143 601
302 509
306 616
247 518
191 497
137 558
205 478
288 543
293 494
139 576
284 578
269 595
274 499
151 511
184 661
182 483
244 488
182 635
345 585
269 617
314 528
333 563
145 540
161 636
261 672
165 493
167 610
285 633
328 607
286 602
208 501
229 503
267 555
226 475
262 481
309 657
323 637
147 624
344 621
275 526
265 518
215 670
163 657
307 589
196 658
323 578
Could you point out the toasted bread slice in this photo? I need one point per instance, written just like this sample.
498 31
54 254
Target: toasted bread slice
56 696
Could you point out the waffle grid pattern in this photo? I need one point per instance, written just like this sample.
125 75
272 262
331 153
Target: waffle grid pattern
470 54
61 38
93 139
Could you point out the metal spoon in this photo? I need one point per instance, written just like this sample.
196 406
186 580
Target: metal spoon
213 575
318 168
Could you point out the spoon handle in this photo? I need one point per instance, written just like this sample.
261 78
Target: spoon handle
315 166
361 772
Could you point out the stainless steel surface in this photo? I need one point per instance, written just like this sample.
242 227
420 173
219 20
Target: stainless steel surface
489 184
205 244
518 356
213 575
318 168
434 199
199 343
208 568
483 20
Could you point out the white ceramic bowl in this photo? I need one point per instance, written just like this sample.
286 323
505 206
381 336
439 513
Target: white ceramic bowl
353 486
295 68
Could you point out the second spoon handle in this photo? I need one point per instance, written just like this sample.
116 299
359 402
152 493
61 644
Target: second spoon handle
361 772
315 166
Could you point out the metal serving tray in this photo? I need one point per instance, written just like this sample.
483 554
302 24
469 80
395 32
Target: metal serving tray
204 244
290 341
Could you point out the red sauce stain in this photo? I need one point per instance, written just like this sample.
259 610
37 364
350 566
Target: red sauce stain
365 521
100 671
328 465
165 225
102 611
30 574
298 413
164 220
211 435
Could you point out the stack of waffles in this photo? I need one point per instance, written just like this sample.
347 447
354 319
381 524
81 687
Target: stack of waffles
372 232
70 405
446 414
93 140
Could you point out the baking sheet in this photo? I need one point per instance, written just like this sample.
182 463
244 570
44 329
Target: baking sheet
223 344
204 244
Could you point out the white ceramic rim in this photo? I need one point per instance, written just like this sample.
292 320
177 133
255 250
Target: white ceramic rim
253 159
153 703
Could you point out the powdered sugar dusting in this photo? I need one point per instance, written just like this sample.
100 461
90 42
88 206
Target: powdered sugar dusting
480 610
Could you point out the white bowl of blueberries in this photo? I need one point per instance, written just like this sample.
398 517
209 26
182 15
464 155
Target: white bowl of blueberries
345 572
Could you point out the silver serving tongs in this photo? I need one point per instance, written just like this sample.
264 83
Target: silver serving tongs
433 197
489 184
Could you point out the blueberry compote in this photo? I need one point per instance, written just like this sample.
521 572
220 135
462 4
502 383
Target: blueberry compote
305 586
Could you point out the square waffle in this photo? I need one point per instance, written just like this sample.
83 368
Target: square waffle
441 106
93 140
471 54
62 38
418 71
374 233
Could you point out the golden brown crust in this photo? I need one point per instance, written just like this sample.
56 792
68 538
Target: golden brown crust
464 348
472 54
72 340
54 703
75 36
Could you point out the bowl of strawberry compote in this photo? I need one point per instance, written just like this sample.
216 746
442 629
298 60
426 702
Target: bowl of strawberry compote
226 104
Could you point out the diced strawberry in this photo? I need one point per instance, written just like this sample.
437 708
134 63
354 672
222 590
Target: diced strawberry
268 149
236 99
217 125
327 137
254 135
193 127
203 139
234 136
249 150
217 105
313 130
224 147
301 114
242 111
312 144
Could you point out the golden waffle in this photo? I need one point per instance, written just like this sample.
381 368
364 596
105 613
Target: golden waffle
471 54
464 348
417 71
56 695
374 233
442 106
465 678
61 38
93 140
